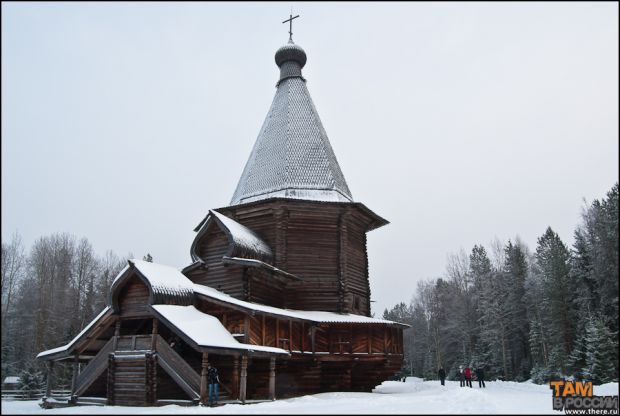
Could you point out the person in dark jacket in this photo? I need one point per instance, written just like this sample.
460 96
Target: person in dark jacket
461 376
442 376
467 373
212 380
480 376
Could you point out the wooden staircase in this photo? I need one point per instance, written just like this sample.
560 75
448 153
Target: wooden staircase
178 369
132 371
94 369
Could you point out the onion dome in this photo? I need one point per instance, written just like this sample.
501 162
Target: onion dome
290 58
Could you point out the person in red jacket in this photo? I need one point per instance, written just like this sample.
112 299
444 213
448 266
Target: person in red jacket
467 373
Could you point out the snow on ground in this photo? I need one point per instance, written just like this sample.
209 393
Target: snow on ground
391 397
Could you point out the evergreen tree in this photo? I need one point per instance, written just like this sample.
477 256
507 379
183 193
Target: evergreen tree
600 353
31 381
552 258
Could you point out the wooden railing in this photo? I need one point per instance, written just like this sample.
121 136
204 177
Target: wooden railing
182 373
18 394
94 368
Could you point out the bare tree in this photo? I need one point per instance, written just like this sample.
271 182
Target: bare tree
13 265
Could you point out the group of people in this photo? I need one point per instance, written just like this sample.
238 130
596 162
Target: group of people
465 376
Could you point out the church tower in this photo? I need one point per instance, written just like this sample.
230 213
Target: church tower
293 200
277 296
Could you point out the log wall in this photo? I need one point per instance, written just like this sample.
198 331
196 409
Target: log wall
133 300
212 246
323 244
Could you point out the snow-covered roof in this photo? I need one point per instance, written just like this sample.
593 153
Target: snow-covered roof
316 316
166 282
77 337
206 330
159 276
243 238
11 380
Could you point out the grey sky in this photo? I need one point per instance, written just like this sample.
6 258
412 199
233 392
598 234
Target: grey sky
458 123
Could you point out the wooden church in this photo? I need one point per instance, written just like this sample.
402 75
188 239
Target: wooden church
277 294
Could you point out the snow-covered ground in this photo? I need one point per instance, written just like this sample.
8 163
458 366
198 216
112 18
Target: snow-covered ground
414 396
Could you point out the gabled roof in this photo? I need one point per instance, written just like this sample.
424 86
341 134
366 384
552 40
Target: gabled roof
165 283
243 242
292 156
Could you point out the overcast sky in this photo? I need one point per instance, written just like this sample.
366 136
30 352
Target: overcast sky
459 123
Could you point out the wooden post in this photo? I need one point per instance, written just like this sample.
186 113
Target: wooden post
50 370
369 339
312 332
263 331
350 340
272 378
290 335
154 335
302 334
204 390
76 365
117 333
330 341
244 378
235 378
277 333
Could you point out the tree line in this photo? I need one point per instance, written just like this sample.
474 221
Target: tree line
547 314
49 293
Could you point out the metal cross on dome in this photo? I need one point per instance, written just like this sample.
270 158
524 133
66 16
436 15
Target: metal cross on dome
290 30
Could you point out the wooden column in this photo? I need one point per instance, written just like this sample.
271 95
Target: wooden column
117 333
302 334
290 335
50 370
76 365
330 340
244 378
263 331
369 339
204 389
235 378
154 335
272 378
312 332
277 333
246 329
350 340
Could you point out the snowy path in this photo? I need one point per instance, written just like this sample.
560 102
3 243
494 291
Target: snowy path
391 397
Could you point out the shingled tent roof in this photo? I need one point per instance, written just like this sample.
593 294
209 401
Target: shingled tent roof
292 156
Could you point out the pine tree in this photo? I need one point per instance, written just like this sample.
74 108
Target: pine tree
600 353
552 258
31 381
148 258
